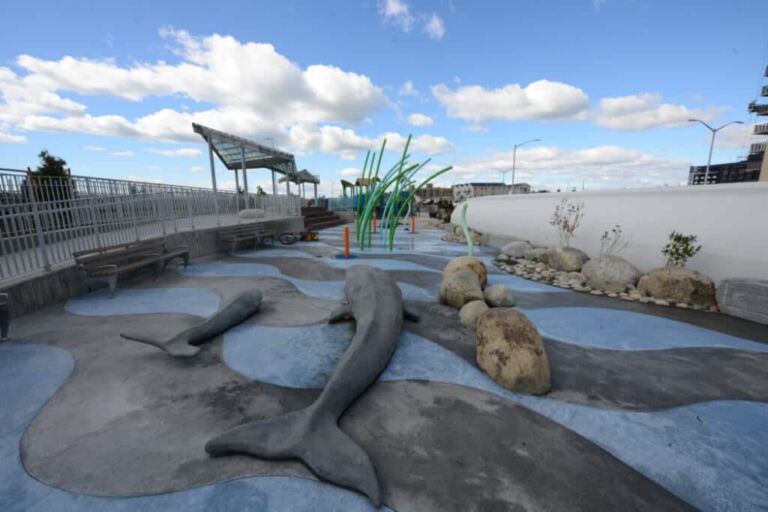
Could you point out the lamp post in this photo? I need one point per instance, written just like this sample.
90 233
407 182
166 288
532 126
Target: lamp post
514 159
712 143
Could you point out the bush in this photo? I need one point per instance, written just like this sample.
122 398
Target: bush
679 249
566 218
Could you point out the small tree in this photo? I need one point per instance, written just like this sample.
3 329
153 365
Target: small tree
612 242
567 218
679 249
51 165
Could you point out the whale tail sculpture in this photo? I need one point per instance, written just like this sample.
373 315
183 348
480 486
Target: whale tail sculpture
308 435
312 434
185 344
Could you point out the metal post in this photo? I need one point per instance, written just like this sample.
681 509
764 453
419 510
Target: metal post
315 184
514 161
39 223
213 181
274 184
245 176
709 160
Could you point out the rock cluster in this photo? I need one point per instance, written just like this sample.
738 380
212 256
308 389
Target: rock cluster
458 236
509 347
612 276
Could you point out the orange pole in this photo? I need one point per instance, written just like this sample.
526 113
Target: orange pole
346 241
413 224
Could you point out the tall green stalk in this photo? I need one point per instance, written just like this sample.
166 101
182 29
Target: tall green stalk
464 228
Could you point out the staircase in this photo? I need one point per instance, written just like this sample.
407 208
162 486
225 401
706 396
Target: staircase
317 217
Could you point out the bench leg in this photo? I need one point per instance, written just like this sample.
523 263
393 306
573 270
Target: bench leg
112 283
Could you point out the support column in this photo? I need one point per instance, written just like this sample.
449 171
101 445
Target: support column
274 184
315 184
245 177
213 182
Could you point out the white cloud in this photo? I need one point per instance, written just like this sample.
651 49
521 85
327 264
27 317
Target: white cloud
598 167
434 27
397 12
93 148
542 99
646 111
418 119
736 136
197 168
122 153
408 89
11 138
184 152
348 144
598 4
254 91
349 172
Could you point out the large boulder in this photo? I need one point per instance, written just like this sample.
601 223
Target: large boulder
460 287
540 254
678 284
568 259
498 296
468 263
510 350
745 298
516 249
610 273
470 312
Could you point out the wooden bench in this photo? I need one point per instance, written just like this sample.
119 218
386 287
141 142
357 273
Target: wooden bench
234 236
106 263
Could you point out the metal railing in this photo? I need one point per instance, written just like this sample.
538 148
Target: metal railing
43 220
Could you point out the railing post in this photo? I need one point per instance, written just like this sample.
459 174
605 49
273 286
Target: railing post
190 211
42 248
134 216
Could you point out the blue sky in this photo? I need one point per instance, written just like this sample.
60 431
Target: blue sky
606 85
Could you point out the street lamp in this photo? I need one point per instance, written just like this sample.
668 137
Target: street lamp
712 144
514 159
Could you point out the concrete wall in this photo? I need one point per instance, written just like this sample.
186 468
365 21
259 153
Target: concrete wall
730 220
64 281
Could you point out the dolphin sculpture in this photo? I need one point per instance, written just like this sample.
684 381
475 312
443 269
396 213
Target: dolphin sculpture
185 344
312 434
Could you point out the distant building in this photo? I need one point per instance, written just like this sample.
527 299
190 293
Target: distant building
723 173
436 193
754 168
520 188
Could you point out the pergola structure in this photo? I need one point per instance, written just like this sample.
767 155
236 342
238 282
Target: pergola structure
301 179
239 154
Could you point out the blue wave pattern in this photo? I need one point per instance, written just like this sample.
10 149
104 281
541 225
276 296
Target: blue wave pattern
32 374
714 454
616 329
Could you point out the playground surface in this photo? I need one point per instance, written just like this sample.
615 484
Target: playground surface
651 408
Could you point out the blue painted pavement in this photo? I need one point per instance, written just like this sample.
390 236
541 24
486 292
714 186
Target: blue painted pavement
31 374
712 454
616 329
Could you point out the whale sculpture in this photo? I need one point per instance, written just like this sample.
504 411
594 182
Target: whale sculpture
185 344
312 434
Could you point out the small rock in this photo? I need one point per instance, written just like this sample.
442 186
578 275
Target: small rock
460 287
470 312
567 258
510 350
613 295
660 302
516 249
498 296
596 292
468 263
682 305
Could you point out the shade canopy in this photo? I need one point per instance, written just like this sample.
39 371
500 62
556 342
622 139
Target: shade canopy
232 150
303 176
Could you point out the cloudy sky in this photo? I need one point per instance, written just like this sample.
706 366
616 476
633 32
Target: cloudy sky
607 85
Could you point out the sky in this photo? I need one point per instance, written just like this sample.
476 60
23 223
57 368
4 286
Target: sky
606 86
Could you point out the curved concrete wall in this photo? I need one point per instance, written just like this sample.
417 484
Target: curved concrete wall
731 222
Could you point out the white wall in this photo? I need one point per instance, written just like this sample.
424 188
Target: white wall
730 220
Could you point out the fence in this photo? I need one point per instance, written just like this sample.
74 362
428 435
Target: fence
43 220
